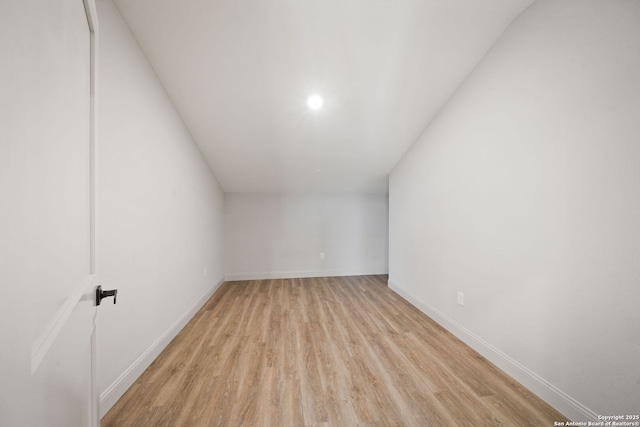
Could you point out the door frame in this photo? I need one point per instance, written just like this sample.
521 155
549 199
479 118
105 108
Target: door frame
46 339
92 22
39 340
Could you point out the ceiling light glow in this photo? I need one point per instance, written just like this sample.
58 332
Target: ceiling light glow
315 102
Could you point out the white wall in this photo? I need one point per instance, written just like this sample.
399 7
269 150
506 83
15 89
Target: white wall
524 193
282 235
160 212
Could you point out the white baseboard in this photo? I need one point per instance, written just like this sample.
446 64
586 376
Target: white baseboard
234 277
110 396
565 404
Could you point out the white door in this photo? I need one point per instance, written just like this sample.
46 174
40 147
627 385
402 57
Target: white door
47 307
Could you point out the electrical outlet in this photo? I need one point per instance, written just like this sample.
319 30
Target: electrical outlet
321 255
460 298
204 272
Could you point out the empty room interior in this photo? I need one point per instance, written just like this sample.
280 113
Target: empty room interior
320 213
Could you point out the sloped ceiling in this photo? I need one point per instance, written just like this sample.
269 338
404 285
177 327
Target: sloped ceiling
240 72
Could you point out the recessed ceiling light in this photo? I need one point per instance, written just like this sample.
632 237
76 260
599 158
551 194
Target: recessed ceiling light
315 102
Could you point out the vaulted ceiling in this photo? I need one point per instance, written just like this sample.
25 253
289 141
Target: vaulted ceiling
240 73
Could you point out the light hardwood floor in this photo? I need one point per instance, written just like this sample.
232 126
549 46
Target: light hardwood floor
338 351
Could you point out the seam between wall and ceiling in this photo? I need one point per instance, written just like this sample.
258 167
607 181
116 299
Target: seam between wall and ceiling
167 94
457 89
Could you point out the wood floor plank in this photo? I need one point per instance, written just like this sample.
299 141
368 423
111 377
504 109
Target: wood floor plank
336 351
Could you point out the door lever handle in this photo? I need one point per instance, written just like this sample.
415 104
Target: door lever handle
100 294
